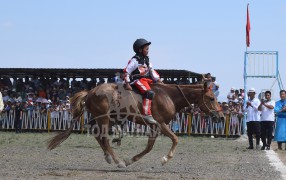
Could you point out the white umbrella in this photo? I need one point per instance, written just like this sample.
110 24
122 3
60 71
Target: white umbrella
42 100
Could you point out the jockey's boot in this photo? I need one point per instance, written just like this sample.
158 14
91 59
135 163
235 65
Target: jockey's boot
150 119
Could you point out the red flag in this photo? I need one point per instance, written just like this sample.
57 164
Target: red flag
247 29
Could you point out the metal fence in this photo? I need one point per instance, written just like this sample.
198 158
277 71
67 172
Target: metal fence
184 123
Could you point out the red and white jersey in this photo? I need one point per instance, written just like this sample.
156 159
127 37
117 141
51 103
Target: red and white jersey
133 64
143 70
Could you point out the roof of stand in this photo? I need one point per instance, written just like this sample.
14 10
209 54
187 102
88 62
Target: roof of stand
88 73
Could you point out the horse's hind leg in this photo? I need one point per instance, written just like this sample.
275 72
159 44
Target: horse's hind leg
103 140
151 141
166 131
108 158
96 131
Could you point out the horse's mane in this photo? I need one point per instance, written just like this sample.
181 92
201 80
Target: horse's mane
194 86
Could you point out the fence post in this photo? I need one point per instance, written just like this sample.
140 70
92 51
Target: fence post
49 121
190 116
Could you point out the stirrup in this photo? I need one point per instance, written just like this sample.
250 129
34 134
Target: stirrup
150 119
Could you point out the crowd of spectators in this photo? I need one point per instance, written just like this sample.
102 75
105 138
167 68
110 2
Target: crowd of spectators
41 93
234 103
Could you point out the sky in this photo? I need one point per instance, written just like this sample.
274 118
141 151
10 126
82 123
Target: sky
200 36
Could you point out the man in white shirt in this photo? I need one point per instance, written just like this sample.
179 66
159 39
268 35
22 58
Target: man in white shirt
230 94
267 120
253 118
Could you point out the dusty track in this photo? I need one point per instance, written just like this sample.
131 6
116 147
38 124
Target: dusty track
25 156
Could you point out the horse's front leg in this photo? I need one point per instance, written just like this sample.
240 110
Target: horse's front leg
151 141
166 131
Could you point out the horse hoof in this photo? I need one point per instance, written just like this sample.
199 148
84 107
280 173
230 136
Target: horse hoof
108 159
128 162
121 164
164 160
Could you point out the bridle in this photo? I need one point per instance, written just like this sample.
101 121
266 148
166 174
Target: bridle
202 104
212 105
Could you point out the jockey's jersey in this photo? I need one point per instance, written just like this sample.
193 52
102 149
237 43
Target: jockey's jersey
139 67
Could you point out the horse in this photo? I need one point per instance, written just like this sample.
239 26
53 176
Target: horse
110 103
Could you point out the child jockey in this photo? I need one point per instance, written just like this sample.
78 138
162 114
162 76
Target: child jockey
139 71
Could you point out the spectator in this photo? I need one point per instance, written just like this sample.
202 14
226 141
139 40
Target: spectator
6 97
253 118
119 78
42 93
280 110
267 119
18 117
240 100
225 108
230 94
1 103
215 88
235 95
241 92
207 77
62 94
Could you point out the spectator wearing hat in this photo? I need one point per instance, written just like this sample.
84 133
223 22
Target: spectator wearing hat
253 118
230 94
240 99
267 119
280 110
18 117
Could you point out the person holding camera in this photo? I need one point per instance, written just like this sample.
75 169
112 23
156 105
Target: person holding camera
280 110
267 120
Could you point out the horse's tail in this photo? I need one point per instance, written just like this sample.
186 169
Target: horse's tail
77 105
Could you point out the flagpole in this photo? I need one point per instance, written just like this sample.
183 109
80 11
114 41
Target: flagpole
245 65
247 18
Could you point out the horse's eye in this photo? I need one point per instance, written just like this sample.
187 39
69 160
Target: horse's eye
212 99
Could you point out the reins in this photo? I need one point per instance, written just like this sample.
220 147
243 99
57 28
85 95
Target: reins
202 104
183 95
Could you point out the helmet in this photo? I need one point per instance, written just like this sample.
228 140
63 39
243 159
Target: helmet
140 43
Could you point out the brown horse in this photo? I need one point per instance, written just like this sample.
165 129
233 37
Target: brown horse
110 103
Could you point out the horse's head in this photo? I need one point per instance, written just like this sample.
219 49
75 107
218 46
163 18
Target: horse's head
208 103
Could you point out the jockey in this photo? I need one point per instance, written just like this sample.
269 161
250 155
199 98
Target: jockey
139 71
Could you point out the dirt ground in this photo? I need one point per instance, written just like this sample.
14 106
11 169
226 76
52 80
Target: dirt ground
24 156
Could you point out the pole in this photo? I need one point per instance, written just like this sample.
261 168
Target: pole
189 124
